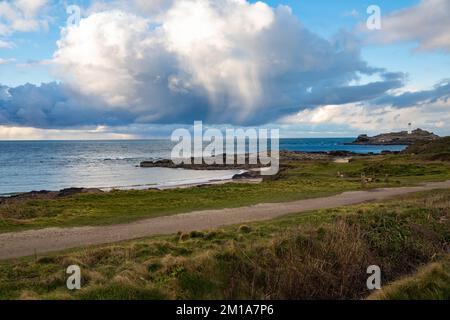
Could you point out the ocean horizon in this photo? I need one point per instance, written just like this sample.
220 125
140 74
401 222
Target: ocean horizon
106 164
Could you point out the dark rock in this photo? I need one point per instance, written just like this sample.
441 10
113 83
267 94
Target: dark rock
363 138
342 153
385 152
397 138
191 165
74 191
44 194
252 174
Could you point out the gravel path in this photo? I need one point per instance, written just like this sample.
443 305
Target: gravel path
27 243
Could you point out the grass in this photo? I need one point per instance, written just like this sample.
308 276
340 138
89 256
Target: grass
432 150
297 180
431 282
319 255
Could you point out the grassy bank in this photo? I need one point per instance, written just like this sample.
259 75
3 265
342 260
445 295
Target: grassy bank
432 150
431 282
319 255
297 180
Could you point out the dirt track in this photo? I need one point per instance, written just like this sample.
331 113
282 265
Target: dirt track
14 245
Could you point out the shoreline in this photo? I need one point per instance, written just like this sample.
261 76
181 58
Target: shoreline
299 178
66 192
247 174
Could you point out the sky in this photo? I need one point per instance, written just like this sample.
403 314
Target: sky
143 68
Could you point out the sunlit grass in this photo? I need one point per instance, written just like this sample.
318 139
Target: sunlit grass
318 255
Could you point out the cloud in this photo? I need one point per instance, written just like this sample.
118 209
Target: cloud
151 9
4 93
30 8
55 105
369 119
6 61
34 63
440 91
29 133
428 109
426 23
352 13
223 62
6 44
21 16
220 62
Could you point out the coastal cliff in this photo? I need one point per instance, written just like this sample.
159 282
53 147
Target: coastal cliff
397 138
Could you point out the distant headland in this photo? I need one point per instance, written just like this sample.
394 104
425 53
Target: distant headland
397 138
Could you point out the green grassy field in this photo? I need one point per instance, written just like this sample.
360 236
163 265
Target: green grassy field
297 180
318 255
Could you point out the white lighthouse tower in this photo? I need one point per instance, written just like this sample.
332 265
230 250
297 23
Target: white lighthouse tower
409 128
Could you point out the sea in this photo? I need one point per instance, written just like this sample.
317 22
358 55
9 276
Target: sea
54 165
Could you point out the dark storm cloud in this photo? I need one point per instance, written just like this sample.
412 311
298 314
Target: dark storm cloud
407 99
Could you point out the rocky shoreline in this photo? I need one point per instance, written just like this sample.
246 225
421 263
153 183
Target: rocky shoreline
251 173
284 156
167 163
45 194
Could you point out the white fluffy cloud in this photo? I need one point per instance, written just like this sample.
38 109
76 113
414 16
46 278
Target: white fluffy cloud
225 61
371 119
198 50
427 23
21 16
30 8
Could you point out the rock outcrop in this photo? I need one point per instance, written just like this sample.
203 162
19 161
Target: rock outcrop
431 150
397 138
166 163
285 156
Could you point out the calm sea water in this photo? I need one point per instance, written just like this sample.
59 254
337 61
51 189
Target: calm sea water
55 165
